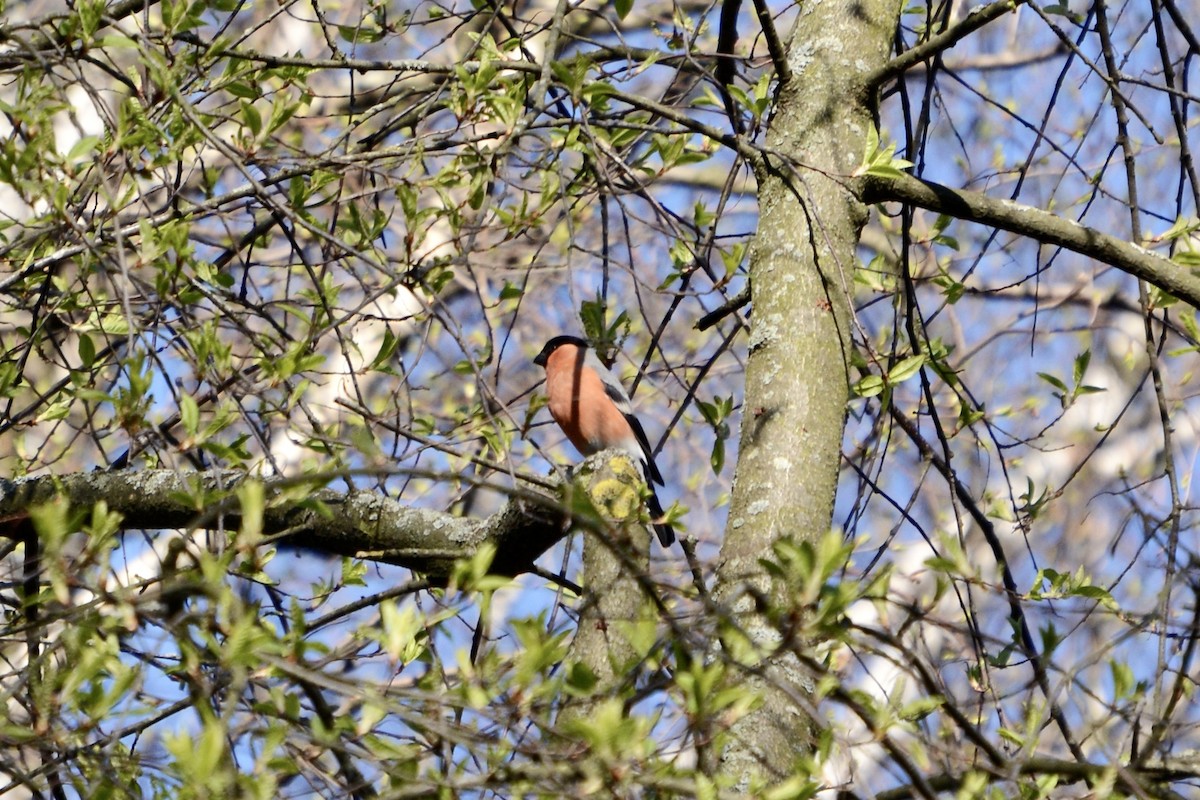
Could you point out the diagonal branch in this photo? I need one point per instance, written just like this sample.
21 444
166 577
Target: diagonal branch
775 44
976 18
1043 226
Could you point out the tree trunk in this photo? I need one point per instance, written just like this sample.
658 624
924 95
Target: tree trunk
801 272
614 580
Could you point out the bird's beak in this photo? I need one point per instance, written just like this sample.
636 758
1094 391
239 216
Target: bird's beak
540 359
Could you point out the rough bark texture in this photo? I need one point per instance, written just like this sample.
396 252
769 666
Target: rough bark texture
614 585
801 270
362 524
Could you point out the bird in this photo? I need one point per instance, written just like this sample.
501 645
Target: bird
590 405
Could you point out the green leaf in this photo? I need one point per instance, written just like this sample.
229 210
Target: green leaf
1183 226
189 413
87 350
1122 678
880 160
716 414
84 149
403 631
716 458
57 410
1081 364
354 572
242 90
1187 258
1051 638
356 34
946 565
1064 10
252 118
869 386
90 13
387 349
581 680
797 787
281 112
1098 593
905 369
921 708
1053 381
252 501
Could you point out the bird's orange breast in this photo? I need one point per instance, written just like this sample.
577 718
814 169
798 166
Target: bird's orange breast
580 405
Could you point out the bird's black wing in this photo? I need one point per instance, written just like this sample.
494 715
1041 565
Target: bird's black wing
652 472
616 393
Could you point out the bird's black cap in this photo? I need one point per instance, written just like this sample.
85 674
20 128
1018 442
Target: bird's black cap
554 344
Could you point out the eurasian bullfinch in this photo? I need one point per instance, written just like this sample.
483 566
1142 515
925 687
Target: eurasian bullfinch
590 405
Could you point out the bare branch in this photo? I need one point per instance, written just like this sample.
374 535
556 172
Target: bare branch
976 19
775 44
1040 225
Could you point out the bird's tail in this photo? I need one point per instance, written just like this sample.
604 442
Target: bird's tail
666 534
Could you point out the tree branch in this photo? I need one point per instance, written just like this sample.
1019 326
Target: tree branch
975 19
775 44
362 524
1140 782
1037 224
